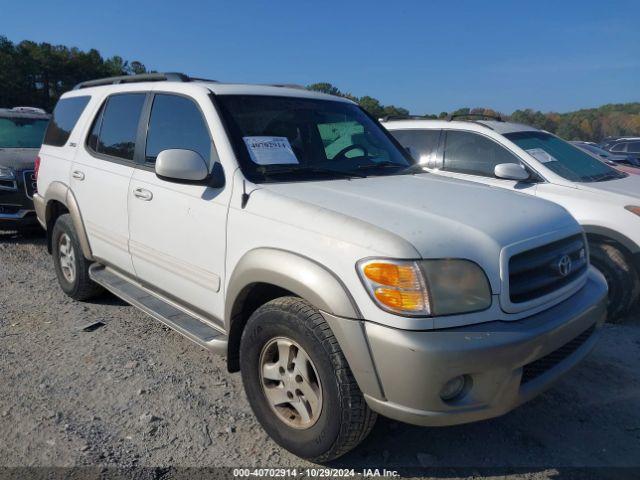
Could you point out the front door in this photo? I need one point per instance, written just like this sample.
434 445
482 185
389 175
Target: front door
472 156
177 230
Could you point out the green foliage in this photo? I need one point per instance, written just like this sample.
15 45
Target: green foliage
370 104
36 74
591 124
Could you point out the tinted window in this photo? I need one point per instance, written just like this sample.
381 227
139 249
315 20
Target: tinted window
563 158
116 127
620 147
65 116
633 147
22 132
176 122
287 138
474 154
422 144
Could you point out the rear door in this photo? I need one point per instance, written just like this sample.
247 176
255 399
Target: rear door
101 174
422 145
178 237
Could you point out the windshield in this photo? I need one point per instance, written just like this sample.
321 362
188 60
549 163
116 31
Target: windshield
563 158
290 139
596 150
22 132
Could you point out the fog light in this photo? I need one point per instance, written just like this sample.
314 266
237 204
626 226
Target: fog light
453 388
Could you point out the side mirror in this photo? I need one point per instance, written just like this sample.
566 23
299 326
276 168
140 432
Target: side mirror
181 165
511 171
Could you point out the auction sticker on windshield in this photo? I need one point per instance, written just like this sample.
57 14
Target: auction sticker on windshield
541 155
270 150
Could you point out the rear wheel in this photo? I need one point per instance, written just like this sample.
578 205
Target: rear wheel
72 268
299 384
622 278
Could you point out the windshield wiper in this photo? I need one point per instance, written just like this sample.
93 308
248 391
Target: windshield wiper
309 169
415 168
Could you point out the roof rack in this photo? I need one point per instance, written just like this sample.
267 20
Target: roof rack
497 118
388 118
144 77
287 85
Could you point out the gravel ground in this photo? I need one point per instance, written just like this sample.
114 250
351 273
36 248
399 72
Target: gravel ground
133 393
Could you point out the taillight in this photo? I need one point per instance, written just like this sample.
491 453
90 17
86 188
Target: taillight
36 168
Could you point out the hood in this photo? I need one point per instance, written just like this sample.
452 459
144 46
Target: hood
629 186
441 217
18 158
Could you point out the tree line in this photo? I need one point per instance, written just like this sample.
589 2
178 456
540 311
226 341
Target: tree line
36 74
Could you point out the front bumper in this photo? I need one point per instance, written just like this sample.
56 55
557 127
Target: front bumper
411 367
16 206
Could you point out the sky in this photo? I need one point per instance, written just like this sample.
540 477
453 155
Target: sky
426 56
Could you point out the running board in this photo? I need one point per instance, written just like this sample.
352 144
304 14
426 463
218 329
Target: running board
162 310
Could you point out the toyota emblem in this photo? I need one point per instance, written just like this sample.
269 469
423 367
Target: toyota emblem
564 265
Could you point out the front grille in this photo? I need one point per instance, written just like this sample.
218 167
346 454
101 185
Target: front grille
536 368
30 185
9 209
543 270
8 185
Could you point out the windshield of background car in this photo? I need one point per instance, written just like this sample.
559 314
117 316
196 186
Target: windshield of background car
22 132
563 158
596 150
291 139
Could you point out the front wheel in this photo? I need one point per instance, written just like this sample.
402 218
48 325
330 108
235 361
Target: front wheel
299 384
621 276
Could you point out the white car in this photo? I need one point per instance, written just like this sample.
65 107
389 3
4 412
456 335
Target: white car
606 202
287 230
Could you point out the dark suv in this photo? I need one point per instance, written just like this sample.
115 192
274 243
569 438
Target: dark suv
21 133
629 146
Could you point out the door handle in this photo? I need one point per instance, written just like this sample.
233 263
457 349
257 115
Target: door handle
77 174
142 194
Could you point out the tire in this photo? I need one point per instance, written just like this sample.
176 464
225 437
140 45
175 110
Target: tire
622 278
343 419
72 268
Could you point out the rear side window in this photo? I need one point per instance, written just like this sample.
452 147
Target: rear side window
176 122
633 147
422 144
65 116
115 129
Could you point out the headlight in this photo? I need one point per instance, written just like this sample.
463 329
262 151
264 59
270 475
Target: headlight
7 173
633 209
426 287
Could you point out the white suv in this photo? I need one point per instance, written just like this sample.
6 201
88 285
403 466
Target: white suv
606 202
287 230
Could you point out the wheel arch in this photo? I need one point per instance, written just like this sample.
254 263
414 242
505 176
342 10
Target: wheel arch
598 233
59 199
264 274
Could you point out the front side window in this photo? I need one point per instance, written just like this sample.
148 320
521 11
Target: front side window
422 144
563 158
22 132
620 147
64 119
474 154
115 129
176 122
288 138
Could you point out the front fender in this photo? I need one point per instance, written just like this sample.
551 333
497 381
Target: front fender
300 275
